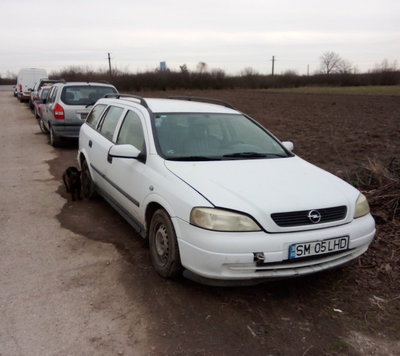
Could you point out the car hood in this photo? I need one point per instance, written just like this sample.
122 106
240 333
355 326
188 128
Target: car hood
260 187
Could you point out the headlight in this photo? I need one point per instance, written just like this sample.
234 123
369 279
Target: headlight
362 206
222 220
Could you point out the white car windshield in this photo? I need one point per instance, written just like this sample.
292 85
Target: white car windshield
202 136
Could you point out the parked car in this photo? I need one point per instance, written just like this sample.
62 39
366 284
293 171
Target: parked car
40 83
26 79
216 194
38 102
67 106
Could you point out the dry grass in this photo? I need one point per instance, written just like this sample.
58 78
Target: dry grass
381 184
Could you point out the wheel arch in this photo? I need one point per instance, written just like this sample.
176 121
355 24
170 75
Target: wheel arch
80 158
151 208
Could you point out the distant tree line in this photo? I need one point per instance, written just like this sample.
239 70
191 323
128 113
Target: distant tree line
217 79
334 71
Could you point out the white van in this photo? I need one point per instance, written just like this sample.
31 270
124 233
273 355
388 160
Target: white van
27 77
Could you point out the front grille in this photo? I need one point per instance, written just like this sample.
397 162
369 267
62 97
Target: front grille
300 218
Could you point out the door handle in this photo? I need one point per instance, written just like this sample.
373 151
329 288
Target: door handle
90 143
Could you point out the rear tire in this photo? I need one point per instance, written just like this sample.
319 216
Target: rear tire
53 139
164 251
88 189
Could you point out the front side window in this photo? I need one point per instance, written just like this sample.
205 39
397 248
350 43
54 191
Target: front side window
110 122
84 94
213 136
95 115
132 131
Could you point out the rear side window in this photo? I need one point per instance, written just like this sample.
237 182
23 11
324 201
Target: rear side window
95 115
52 95
110 122
84 94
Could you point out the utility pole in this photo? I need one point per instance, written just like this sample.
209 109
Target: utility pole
109 63
273 65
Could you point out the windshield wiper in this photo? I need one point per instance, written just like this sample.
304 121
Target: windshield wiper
194 158
252 155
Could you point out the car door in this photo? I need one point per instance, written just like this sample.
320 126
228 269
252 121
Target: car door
99 143
128 176
47 113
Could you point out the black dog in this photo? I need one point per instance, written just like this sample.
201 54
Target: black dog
72 181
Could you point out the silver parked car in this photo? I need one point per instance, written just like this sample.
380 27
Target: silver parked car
67 106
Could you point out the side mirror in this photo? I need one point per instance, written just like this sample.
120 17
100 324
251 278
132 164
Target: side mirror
123 151
288 145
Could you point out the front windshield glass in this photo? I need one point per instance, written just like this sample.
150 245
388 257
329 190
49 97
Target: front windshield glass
213 137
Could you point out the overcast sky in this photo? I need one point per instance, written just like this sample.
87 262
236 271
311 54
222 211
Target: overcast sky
228 35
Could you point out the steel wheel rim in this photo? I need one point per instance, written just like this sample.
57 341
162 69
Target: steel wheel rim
161 243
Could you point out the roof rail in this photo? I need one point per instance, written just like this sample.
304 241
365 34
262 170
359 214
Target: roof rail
118 96
203 100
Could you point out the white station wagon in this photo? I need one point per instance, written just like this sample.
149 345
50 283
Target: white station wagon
216 194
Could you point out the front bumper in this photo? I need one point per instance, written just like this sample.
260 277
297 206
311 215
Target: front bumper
231 256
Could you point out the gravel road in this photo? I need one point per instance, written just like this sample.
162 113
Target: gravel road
59 292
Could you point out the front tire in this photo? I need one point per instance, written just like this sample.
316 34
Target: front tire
164 251
88 189
43 128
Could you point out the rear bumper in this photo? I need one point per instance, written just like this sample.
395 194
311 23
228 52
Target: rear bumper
66 130
24 96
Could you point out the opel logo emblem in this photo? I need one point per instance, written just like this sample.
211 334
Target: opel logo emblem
314 216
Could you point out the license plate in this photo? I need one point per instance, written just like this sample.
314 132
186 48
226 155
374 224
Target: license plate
322 247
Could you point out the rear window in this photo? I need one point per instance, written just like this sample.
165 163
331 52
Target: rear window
84 94
95 115
46 84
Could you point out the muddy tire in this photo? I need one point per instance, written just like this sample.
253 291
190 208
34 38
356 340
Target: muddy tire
164 251
88 189
53 139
